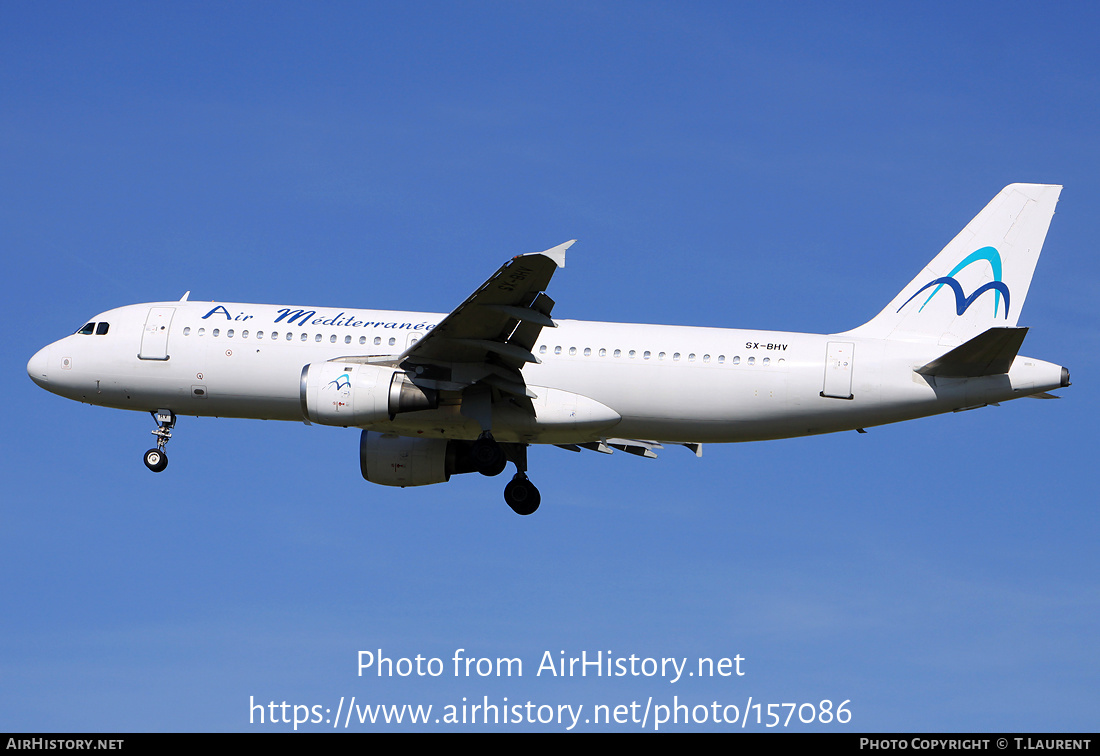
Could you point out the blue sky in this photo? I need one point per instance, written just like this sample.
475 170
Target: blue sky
781 166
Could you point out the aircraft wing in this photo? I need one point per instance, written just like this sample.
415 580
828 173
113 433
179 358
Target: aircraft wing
489 337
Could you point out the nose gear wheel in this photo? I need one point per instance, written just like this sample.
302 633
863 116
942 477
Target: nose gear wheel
156 459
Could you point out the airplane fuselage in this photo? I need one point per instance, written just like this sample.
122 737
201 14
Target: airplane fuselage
674 383
469 391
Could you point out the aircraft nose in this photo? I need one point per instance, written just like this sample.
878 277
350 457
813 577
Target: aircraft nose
38 365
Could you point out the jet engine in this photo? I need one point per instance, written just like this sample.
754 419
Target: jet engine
391 460
338 393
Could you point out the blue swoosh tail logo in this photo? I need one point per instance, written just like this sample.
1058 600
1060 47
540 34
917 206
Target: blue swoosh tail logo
963 302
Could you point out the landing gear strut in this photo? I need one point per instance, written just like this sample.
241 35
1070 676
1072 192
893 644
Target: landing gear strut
521 494
489 457
155 459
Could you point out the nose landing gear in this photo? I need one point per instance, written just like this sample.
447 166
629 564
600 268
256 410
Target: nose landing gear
155 459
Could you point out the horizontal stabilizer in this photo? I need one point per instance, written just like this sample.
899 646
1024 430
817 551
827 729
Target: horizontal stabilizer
989 353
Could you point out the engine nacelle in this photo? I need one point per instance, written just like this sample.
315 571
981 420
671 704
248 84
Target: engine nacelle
338 393
391 460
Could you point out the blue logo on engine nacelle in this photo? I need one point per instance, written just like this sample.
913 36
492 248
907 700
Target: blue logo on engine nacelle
341 381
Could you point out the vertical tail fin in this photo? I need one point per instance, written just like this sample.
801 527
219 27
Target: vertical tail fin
979 280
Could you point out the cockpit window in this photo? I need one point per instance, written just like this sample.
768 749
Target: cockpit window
101 329
86 330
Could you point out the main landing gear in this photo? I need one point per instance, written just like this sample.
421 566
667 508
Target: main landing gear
521 495
490 457
155 459
487 455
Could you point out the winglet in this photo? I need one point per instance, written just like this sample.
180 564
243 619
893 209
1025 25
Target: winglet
557 254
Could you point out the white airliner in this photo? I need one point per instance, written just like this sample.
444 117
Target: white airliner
438 395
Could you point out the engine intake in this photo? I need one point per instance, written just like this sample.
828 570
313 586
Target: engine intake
336 393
